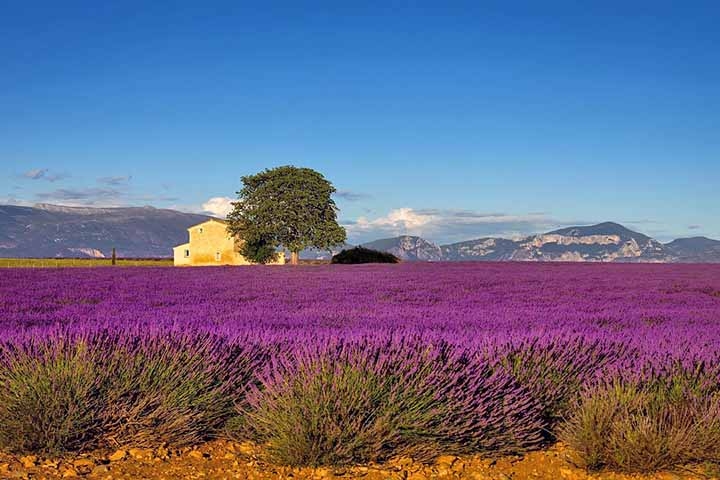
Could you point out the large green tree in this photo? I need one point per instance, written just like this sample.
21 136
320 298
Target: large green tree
288 206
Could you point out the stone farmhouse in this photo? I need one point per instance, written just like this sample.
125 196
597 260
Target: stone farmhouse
211 244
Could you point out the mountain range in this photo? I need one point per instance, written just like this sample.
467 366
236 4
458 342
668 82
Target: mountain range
57 231
45 231
604 242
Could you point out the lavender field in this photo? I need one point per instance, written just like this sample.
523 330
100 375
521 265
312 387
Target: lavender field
339 364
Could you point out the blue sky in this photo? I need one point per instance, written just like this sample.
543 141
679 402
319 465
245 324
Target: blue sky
451 120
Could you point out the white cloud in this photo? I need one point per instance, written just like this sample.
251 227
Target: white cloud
399 219
446 225
218 206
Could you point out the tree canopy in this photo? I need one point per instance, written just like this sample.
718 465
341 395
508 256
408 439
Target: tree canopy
285 206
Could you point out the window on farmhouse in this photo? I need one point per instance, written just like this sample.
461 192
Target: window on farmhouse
200 229
217 256
187 253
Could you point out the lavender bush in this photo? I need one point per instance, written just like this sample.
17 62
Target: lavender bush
176 390
73 392
554 373
645 425
337 411
359 402
51 397
346 363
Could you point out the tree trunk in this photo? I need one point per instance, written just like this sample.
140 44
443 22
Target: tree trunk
294 256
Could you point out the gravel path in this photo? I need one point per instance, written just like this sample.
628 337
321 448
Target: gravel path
230 460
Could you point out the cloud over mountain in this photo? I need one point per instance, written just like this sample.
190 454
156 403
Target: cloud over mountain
218 206
83 196
446 224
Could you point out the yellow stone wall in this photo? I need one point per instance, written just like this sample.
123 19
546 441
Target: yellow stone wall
211 244
179 255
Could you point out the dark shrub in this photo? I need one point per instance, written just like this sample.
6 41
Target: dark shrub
644 427
363 255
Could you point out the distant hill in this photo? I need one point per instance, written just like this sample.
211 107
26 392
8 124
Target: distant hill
694 249
56 231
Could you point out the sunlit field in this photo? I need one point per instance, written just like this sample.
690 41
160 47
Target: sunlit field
82 262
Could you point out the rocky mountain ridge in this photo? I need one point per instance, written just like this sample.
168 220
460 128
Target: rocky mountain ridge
604 242
408 248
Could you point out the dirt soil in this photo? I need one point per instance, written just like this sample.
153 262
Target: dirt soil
230 460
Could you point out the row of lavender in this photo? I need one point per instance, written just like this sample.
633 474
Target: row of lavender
340 364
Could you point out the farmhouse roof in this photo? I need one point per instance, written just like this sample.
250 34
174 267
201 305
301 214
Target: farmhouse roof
211 219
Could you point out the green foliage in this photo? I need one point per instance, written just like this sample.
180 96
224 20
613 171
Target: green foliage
258 250
287 206
645 427
363 255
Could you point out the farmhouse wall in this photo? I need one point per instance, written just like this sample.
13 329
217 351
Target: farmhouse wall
211 244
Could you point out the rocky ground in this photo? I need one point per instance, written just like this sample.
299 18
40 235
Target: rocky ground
229 460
